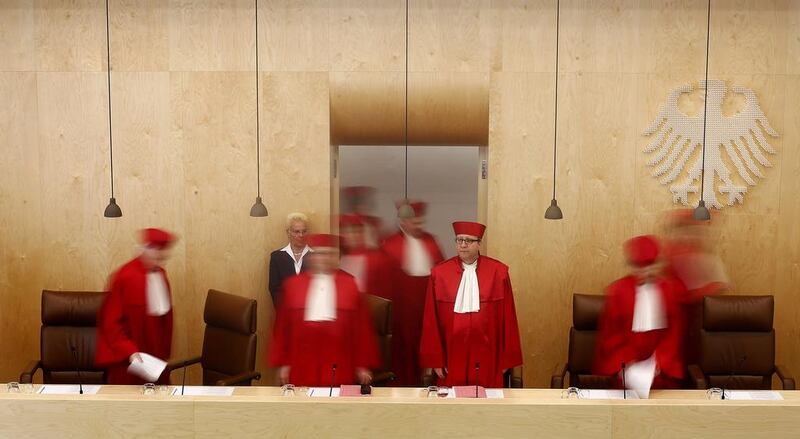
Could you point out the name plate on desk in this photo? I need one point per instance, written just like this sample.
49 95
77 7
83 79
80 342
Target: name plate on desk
753 395
205 391
68 389
608 394
469 392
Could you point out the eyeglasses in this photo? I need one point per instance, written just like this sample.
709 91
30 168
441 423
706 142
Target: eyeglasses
466 240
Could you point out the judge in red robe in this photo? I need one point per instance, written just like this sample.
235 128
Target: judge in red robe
136 315
691 260
360 200
413 252
370 267
642 318
323 324
469 328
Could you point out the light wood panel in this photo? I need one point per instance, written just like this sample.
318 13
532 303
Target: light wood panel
481 70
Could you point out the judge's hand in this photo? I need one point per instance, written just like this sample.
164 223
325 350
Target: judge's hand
283 374
136 357
363 375
440 372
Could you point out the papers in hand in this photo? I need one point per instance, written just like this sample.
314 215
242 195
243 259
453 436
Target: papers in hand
68 389
753 395
149 369
205 390
639 376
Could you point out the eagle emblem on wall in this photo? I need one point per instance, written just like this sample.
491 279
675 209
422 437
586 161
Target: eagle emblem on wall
675 137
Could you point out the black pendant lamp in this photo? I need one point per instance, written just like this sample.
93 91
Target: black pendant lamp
405 210
258 209
112 210
553 212
701 212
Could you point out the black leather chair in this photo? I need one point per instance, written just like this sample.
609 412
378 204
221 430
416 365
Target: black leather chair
586 310
381 312
229 343
737 345
67 339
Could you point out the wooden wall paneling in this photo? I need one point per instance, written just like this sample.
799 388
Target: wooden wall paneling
17 36
528 34
73 150
787 242
70 35
367 36
367 108
454 36
216 35
139 35
22 258
294 35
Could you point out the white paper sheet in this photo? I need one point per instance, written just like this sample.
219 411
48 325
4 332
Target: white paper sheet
68 389
639 376
608 394
753 395
323 392
149 369
205 391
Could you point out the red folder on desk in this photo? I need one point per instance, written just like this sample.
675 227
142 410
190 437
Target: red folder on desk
469 392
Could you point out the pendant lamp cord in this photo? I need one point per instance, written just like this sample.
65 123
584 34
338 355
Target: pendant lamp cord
705 105
258 119
555 119
405 135
110 138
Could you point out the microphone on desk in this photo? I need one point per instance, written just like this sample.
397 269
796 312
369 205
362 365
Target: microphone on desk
333 379
77 367
477 375
183 381
624 386
733 371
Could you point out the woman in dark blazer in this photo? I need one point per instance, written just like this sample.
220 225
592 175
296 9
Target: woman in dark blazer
288 261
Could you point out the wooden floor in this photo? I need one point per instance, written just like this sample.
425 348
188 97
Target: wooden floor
261 412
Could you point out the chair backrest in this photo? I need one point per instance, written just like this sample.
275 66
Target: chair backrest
738 341
229 342
68 336
586 310
381 311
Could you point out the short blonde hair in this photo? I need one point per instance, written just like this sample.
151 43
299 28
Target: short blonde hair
295 217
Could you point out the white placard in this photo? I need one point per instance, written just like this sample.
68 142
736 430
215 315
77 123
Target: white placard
68 389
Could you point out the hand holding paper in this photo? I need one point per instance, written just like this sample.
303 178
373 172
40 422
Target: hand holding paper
149 368
639 376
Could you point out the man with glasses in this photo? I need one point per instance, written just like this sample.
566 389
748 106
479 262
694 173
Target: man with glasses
469 331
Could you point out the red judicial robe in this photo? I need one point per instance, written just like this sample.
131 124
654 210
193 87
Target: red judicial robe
378 272
311 348
457 341
124 328
408 305
617 343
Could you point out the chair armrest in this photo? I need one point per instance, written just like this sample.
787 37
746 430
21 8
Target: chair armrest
244 377
697 377
178 364
27 375
557 380
383 378
787 381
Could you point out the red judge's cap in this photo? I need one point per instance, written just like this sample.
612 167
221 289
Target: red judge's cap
323 240
469 228
641 251
157 238
350 220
